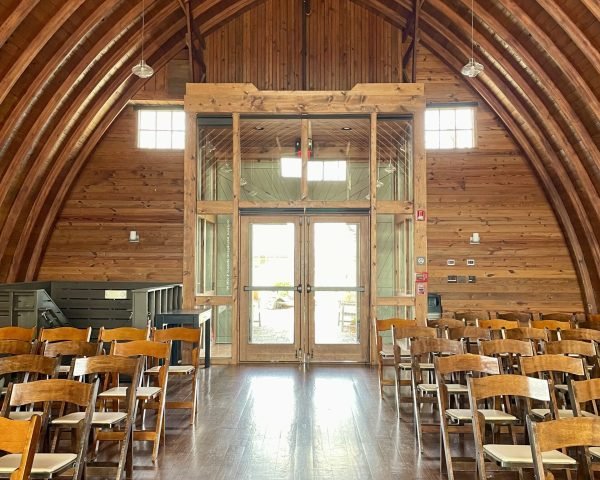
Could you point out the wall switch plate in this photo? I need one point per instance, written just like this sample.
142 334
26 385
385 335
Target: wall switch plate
450 262
472 279
470 262
452 279
462 279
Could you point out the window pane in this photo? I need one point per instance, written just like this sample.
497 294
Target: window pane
464 118
178 140
447 119
163 139
163 120
334 171
178 120
147 120
432 139
464 139
447 139
432 119
315 171
147 139
291 167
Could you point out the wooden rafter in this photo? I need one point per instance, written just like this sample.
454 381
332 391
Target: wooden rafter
412 30
195 44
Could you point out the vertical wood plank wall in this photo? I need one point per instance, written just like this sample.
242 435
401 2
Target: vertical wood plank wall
522 261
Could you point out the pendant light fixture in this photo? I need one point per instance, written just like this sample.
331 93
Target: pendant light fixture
142 69
472 68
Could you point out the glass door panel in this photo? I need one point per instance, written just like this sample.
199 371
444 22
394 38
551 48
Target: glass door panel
337 301
270 275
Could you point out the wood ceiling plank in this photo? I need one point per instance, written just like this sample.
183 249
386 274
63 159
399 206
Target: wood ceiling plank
15 19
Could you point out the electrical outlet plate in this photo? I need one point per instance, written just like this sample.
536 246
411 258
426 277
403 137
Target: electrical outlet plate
450 262
462 279
452 279
470 262
472 279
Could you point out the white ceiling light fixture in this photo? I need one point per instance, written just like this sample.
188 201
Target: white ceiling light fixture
472 68
142 69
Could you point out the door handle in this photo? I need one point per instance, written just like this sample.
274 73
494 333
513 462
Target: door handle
308 288
299 288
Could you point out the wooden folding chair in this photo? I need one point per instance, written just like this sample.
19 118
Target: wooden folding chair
507 456
446 323
385 351
457 420
23 368
548 437
152 397
560 316
51 391
554 327
524 318
62 334
20 437
507 351
555 368
115 425
583 334
402 361
121 334
469 336
193 338
577 348
16 347
424 392
18 333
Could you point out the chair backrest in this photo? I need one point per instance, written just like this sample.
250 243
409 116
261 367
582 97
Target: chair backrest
552 363
506 346
498 324
527 333
20 437
148 348
511 385
62 334
17 333
559 434
466 362
103 364
16 347
521 317
450 323
571 347
122 334
29 363
469 333
551 324
401 333
70 348
583 392
584 334
423 346
561 317
386 324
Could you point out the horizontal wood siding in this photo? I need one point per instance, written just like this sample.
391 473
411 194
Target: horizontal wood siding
521 263
122 188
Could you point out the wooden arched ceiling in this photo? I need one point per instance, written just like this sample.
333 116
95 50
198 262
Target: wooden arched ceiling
65 76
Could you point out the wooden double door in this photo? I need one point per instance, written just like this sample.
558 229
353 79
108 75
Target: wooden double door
304 295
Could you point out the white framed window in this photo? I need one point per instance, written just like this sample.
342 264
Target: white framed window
161 129
449 127
318 170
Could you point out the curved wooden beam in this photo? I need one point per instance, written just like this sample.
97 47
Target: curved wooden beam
15 19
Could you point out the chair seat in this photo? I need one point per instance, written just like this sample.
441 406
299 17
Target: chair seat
561 388
43 463
3 391
99 418
408 366
23 415
143 393
489 414
387 351
176 369
64 369
562 413
595 452
508 455
433 387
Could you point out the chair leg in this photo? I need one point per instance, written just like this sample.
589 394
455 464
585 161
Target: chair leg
417 416
380 373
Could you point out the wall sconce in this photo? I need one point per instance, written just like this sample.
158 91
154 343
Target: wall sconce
134 237
474 240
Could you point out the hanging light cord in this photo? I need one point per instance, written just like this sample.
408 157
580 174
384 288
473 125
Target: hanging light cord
472 34
143 27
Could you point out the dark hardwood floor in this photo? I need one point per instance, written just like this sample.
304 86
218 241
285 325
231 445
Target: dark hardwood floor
290 422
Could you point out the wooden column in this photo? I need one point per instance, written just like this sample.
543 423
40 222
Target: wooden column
420 203
190 188
373 233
